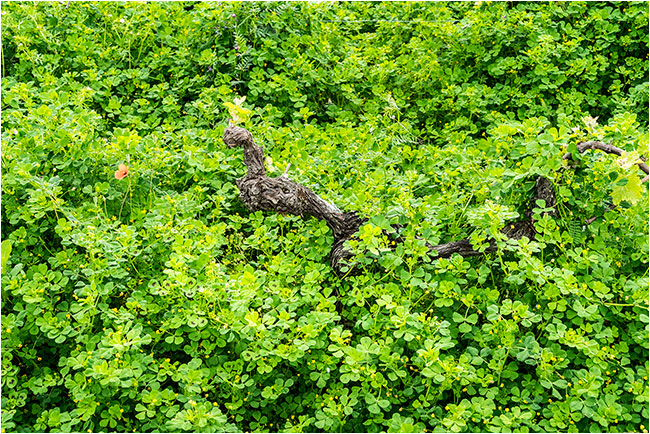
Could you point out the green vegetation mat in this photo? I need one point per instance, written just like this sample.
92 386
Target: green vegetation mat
140 294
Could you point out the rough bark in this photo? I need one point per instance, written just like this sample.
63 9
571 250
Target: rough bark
260 192
608 148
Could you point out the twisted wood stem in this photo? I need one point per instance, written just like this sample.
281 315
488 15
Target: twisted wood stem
608 148
260 192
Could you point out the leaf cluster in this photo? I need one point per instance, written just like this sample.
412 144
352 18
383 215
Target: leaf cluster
157 302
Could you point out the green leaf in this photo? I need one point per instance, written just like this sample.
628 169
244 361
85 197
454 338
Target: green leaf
5 251
573 150
631 191
238 114
428 372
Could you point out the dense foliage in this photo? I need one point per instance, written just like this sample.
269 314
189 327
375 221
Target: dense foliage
150 299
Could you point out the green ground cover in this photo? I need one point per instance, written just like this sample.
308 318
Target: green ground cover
158 302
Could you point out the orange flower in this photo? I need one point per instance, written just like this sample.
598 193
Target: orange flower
122 171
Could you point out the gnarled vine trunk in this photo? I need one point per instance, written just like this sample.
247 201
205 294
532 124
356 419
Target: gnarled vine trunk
260 192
